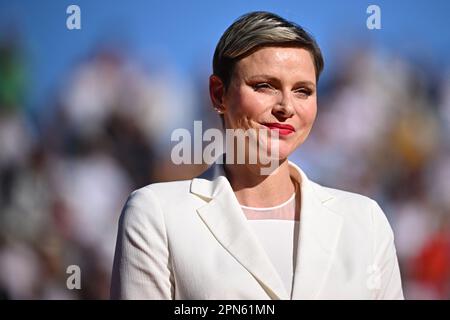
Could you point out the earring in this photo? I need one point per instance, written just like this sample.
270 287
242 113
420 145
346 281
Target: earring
218 109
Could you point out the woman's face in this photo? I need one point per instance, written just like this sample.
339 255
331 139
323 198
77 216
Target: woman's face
274 88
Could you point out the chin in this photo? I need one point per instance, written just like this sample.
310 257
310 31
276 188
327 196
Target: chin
283 153
284 146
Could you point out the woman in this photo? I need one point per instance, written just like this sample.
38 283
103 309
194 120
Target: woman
234 233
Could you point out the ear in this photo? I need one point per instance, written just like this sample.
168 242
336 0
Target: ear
217 92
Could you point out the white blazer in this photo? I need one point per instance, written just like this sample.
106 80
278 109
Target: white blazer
190 240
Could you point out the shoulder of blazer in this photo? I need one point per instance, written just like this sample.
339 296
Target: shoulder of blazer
165 192
356 209
339 195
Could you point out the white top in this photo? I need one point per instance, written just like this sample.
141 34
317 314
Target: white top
277 229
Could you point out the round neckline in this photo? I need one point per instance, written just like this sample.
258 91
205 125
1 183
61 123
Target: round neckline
271 208
285 203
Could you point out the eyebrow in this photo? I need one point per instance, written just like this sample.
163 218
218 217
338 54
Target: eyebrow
274 79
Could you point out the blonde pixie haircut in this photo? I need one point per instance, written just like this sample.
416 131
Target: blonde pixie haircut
260 29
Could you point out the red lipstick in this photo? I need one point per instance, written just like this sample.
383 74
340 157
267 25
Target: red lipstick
283 129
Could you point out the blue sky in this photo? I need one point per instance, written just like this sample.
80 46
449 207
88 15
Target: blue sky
184 33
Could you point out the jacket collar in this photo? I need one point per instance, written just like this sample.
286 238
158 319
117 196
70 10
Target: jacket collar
319 233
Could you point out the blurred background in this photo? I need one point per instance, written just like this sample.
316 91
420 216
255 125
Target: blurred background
86 117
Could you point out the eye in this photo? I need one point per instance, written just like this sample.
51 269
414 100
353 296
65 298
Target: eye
304 92
262 86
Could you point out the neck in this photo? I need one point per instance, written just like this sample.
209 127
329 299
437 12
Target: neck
255 190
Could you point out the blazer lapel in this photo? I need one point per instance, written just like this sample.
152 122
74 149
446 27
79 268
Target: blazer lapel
223 216
320 229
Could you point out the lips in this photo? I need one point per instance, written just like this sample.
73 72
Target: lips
283 129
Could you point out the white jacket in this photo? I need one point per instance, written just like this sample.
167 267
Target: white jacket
190 240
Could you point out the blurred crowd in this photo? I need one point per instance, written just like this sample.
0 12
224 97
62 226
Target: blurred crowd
383 130
66 172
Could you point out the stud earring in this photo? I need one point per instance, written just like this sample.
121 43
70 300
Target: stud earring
219 109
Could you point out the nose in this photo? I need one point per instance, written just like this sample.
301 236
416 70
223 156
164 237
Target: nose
284 108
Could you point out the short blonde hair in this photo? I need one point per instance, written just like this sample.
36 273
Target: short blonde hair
255 30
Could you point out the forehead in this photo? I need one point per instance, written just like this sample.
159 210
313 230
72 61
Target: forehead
280 62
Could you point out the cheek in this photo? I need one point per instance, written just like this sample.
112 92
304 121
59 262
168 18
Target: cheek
307 112
249 104
312 112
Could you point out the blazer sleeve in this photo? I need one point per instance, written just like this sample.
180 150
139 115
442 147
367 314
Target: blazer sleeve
385 273
141 268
